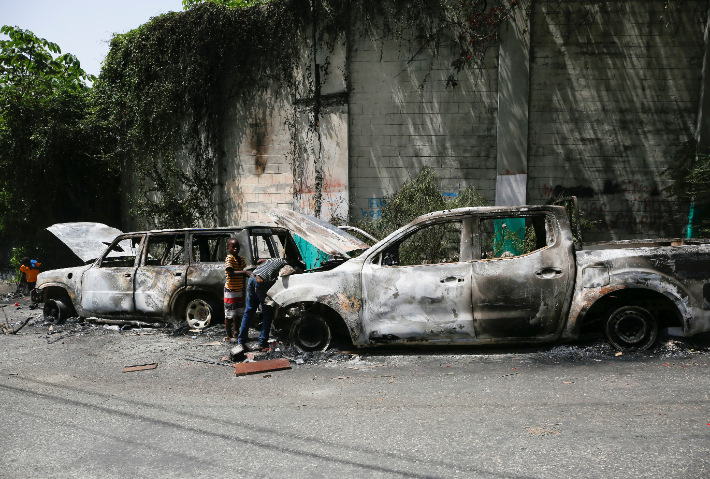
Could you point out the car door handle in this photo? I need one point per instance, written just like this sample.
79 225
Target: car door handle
127 275
547 273
178 274
451 279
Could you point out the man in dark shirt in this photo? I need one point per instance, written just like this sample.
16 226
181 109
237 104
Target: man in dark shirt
263 278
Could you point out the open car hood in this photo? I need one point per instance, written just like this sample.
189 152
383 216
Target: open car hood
86 240
321 234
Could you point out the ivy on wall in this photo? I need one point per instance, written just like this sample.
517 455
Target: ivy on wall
164 86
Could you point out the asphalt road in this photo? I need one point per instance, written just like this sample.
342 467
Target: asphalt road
560 411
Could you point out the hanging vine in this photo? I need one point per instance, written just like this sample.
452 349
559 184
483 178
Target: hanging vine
164 86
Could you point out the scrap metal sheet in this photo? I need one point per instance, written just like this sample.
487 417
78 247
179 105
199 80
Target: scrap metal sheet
86 240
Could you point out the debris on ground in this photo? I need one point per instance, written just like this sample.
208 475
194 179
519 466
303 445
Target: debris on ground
125 324
142 367
8 328
245 369
10 296
667 347
208 361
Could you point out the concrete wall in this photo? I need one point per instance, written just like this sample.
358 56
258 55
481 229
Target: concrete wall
612 99
403 117
255 174
591 99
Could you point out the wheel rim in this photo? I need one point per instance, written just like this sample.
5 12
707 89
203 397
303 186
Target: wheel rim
631 327
198 314
311 333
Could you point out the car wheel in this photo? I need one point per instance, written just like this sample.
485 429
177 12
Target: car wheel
311 333
56 310
200 313
631 328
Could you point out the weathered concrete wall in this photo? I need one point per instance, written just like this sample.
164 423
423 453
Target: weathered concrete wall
255 174
403 117
513 110
289 148
614 94
704 106
591 99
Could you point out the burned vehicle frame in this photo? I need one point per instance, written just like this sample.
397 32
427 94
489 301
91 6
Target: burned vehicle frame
155 275
495 275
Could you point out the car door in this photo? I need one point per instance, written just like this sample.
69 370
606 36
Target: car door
162 271
419 287
521 277
107 287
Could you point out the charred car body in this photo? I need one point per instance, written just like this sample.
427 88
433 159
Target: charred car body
494 275
156 275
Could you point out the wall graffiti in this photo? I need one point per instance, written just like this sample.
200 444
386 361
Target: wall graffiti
374 208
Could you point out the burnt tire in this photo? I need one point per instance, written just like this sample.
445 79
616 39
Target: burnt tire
57 310
311 333
201 313
631 328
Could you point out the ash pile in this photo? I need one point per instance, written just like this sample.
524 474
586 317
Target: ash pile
666 347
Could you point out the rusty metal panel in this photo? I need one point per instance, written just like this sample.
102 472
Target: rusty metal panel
161 273
338 289
244 369
108 291
419 288
523 296
679 273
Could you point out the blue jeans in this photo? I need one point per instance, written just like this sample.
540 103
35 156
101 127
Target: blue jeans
256 294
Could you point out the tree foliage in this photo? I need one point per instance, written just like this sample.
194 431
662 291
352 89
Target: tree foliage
416 197
164 87
186 4
690 171
51 157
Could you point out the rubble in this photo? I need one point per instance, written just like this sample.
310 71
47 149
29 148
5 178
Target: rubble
10 296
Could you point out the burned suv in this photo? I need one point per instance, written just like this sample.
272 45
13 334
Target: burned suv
153 275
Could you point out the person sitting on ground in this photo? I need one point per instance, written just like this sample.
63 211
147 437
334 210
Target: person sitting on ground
31 269
261 280
233 288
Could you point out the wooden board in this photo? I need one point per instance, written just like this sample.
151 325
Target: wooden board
128 369
244 369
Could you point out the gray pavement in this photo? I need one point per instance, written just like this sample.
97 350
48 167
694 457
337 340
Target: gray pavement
560 411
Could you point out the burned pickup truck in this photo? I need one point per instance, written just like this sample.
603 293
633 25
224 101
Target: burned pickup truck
155 275
493 275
